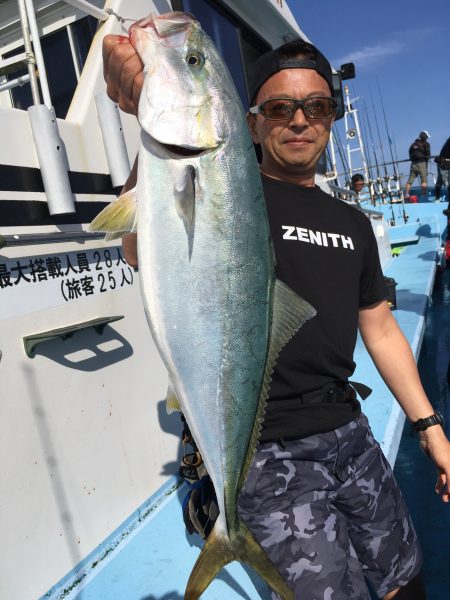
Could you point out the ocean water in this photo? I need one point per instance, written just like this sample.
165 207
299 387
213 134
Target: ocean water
413 470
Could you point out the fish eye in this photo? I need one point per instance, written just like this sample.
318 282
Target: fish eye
195 59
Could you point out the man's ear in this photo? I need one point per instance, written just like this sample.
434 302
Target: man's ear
251 122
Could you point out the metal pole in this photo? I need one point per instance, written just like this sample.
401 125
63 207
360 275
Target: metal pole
89 9
26 239
38 53
333 158
19 81
361 146
347 112
113 139
29 52
353 112
73 50
52 159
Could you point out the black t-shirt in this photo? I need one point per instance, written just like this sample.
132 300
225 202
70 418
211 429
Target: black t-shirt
327 253
445 151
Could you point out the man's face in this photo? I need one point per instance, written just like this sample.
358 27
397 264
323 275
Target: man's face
358 185
291 148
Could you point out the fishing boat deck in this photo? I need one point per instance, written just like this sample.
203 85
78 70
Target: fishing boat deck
150 556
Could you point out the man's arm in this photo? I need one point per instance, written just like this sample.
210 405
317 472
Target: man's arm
395 362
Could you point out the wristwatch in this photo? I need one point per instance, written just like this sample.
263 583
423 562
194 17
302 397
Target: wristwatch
422 424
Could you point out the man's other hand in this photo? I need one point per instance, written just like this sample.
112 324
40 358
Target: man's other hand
123 72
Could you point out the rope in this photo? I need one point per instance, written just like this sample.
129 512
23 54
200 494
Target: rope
111 12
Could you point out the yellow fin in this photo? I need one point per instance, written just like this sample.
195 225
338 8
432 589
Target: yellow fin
219 551
117 218
172 402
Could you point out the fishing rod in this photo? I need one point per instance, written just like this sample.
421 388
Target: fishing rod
365 125
399 161
386 174
396 159
397 178
377 167
386 126
365 139
398 171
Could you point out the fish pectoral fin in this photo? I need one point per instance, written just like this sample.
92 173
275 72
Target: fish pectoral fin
117 218
172 402
219 551
289 313
184 195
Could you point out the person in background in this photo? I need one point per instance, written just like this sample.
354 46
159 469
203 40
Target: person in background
320 497
357 184
443 163
439 181
419 155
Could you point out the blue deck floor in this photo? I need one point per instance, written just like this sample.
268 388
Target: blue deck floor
155 556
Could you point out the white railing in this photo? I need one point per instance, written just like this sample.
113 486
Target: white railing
90 9
49 146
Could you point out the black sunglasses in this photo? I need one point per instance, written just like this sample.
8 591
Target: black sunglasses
281 109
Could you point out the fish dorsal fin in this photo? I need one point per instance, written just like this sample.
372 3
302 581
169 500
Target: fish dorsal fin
184 195
289 313
117 218
172 402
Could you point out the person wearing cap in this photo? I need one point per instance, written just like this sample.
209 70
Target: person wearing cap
320 496
419 154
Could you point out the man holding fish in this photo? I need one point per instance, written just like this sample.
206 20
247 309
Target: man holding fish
319 496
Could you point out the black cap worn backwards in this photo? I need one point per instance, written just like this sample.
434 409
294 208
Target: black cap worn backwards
296 54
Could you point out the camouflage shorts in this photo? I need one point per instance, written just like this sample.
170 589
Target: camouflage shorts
328 512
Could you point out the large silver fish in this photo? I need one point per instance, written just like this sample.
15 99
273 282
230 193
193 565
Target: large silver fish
218 316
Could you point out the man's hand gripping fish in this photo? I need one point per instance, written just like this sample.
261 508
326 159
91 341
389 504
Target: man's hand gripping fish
216 312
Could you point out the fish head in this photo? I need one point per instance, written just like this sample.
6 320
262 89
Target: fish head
185 84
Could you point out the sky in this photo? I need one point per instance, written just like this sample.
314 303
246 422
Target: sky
401 45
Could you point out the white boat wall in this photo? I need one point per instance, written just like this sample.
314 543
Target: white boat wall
84 437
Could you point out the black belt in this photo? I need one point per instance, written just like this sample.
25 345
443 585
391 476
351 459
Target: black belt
335 393
285 419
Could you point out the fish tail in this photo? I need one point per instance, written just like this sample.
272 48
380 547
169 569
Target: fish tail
218 551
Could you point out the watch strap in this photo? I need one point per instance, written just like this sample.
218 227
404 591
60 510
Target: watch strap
422 424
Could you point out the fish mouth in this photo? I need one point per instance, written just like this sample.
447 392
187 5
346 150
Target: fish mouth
184 152
178 150
171 29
